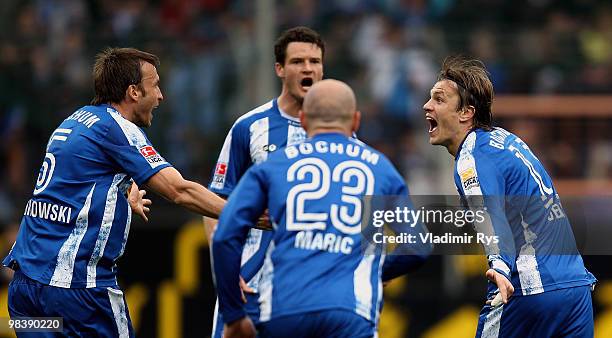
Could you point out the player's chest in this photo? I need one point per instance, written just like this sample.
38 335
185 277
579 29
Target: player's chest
267 136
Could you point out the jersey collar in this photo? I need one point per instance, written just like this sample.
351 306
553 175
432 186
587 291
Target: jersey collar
283 114
463 141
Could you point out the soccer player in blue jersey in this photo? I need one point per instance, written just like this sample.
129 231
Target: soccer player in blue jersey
75 226
317 279
536 271
299 55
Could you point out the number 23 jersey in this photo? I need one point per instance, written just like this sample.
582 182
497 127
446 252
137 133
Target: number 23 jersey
314 192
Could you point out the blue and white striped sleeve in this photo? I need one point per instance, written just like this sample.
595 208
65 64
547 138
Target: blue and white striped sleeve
129 148
482 184
233 161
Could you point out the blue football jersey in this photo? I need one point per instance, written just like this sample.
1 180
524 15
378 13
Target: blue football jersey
251 139
315 261
537 249
75 226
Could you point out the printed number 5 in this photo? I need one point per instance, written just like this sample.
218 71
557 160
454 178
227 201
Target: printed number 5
48 166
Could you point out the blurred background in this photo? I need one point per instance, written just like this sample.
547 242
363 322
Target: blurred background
550 61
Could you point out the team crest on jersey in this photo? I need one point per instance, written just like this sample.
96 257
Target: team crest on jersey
149 153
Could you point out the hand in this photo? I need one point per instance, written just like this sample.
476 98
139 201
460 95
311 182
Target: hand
503 284
138 203
241 328
244 288
264 222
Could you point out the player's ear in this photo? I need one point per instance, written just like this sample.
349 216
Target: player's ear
356 121
280 69
132 92
467 113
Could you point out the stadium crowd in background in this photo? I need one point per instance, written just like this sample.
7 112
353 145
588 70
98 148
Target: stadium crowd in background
387 51
299 53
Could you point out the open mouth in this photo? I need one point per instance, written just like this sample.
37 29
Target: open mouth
306 83
433 124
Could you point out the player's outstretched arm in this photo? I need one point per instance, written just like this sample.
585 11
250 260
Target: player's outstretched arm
171 185
139 204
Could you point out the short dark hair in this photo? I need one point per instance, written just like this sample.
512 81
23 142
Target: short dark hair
296 34
474 87
115 70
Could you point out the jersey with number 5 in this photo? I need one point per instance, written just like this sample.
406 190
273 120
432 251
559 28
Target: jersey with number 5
75 226
537 246
314 194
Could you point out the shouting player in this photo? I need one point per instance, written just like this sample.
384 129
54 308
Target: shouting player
317 280
535 271
75 226
299 55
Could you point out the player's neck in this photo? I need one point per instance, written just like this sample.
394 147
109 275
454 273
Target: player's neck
329 130
289 105
124 110
456 142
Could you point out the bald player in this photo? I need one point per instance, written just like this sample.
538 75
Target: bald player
317 280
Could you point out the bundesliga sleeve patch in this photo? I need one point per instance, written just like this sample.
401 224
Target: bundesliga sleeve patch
219 178
149 153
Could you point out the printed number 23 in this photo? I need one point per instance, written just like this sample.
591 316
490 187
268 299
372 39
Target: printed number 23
321 178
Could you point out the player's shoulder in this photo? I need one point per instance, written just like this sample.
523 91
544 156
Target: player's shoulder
265 110
109 123
492 144
92 120
487 149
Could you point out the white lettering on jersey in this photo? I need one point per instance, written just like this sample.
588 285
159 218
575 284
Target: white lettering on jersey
84 117
48 211
321 241
323 147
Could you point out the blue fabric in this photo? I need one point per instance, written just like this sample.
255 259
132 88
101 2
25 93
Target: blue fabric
86 312
315 260
558 313
75 226
329 324
252 138
497 170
